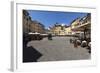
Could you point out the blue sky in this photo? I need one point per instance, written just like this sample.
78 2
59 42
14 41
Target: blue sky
49 18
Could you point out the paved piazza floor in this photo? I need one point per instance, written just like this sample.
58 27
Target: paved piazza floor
59 49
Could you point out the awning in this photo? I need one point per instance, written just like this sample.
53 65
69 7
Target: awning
34 33
82 27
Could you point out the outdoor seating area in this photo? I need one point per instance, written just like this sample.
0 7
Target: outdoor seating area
85 43
82 31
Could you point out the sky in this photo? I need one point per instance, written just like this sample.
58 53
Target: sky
49 18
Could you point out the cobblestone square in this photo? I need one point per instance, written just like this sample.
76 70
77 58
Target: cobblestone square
59 49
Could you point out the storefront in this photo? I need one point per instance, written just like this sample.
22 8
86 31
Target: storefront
86 29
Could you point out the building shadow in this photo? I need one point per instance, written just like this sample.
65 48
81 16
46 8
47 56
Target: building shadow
30 54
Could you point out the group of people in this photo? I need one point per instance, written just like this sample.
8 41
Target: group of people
81 42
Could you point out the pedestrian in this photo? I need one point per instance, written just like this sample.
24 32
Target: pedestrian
78 42
49 36
84 43
75 43
70 40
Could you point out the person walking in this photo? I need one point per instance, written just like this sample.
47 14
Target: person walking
75 43
49 36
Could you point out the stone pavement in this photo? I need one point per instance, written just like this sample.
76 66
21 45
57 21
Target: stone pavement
59 49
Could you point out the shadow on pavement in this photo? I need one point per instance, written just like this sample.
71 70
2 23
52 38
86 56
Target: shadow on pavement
30 54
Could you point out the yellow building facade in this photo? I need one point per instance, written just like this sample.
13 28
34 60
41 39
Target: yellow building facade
75 23
83 26
60 30
68 30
